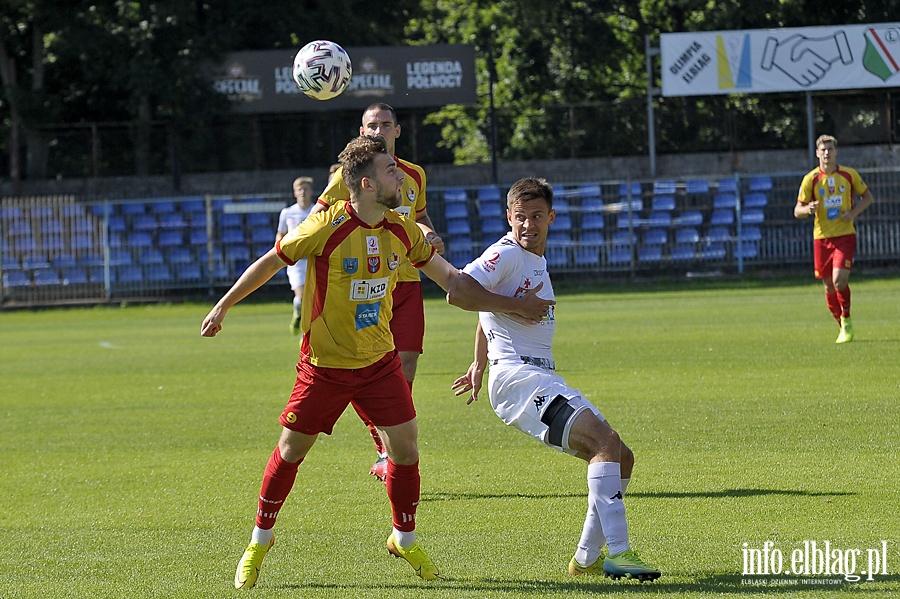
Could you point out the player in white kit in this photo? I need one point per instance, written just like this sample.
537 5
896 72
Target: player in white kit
289 218
526 392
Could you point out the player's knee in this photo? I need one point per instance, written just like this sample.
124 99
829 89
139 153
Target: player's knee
626 460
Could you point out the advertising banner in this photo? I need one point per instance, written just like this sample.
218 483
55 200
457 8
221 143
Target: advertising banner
780 60
259 82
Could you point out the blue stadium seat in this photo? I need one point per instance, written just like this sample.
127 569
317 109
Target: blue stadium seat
74 276
170 238
237 253
233 236
119 258
162 207
722 217
625 221
144 222
687 235
756 200
172 220
760 183
490 209
23 244
128 274
620 255
557 257
458 227
159 273
151 256
34 260
659 219
748 250
683 252
139 239
728 185
718 235
51 226
588 191
634 189
696 186
587 256
561 206
493 226
460 256
15 278
92 259
180 255
132 208
713 251
230 220
18 227
81 242
558 238
489 193
72 210
688 218
562 222
662 203
624 238
592 206
591 238
456 210
754 216
116 224
262 235
83 225
64 260
649 253
455 195
198 237
262 219
10 212
46 276
188 272
195 205
592 222
722 201
655 237
664 187
751 234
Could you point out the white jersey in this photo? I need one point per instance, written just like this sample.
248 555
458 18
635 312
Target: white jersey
292 216
506 268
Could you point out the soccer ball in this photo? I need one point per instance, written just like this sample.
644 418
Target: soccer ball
322 70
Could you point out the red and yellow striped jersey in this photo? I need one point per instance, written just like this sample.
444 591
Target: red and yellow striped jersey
834 192
352 269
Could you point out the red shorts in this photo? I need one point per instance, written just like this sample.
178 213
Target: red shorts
832 254
408 320
321 395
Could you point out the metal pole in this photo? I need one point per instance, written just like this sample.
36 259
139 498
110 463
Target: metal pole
492 76
810 129
651 92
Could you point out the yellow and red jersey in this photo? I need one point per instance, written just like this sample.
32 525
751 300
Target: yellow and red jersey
835 193
413 202
352 269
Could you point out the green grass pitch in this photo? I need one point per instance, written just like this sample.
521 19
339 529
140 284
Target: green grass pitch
133 451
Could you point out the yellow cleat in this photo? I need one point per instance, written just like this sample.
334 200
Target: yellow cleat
248 568
416 557
846 334
595 569
629 565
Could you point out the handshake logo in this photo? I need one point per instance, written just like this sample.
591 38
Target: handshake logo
804 59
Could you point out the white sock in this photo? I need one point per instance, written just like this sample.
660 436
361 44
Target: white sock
592 538
405 539
297 304
605 495
261 536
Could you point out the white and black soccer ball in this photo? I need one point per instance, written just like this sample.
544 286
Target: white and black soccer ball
322 70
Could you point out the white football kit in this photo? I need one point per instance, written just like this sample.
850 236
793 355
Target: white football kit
523 386
289 218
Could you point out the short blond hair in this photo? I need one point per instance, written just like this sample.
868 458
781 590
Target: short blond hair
303 181
824 139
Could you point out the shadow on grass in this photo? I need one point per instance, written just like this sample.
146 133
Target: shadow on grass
711 583
724 493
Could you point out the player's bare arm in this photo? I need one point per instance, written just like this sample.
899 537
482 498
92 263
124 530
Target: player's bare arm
474 377
427 227
466 293
864 202
253 278
802 210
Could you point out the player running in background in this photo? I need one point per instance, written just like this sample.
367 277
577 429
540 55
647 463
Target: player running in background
826 193
408 324
526 392
289 218
347 354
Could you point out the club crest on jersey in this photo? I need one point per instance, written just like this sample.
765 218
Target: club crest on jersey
372 246
411 195
490 263
374 263
524 285
393 261
351 265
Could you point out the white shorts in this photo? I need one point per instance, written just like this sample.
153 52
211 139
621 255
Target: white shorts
297 274
538 402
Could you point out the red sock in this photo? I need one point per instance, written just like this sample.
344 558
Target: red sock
403 484
834 304
276 484
844 298
379 444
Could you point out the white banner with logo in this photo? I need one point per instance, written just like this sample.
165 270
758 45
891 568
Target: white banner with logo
780 60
